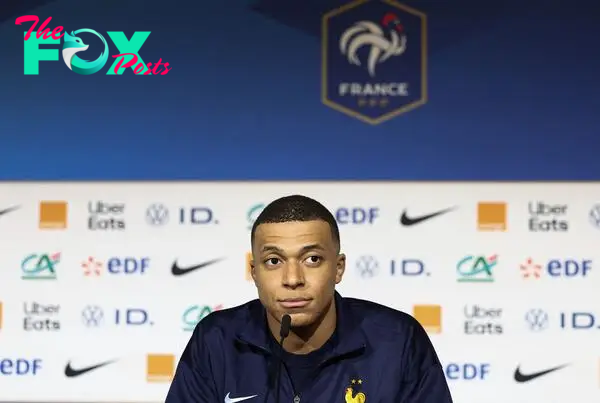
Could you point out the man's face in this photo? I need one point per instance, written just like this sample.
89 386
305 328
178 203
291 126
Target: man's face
296 266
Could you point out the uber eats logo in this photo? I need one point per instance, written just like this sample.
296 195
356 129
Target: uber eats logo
481 320
106 216
40 317
548 217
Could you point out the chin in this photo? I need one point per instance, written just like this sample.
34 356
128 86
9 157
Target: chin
302 319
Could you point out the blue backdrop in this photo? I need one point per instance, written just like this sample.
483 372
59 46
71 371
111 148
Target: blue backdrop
512 95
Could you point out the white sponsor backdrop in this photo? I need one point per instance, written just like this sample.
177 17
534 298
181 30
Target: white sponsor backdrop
439 243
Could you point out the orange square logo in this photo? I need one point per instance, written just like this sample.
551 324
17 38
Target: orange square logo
53 215
248 266
160 367
491 216
429 316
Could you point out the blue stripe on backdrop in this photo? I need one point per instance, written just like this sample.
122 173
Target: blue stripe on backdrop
511 96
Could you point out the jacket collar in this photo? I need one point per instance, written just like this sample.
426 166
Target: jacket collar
350 336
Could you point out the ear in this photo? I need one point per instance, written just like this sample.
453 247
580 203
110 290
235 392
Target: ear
340 267
253 271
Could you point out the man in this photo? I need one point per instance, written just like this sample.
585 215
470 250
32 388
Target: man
338 350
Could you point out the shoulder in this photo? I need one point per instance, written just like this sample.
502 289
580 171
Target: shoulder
227 323
394 335
384 323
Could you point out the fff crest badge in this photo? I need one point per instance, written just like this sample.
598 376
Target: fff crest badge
374 59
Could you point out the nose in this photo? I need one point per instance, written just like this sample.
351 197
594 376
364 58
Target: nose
293 275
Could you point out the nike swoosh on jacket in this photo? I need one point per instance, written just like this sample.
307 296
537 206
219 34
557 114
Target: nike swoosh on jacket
387 349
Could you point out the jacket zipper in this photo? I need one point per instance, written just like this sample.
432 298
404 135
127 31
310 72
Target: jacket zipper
291 384
320 367
298 394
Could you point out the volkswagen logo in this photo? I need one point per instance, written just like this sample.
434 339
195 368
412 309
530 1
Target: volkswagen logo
92 316
367 266
537 320
595 216
157 214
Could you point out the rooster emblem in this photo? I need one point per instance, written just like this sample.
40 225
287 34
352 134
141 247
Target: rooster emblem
369 33
359 398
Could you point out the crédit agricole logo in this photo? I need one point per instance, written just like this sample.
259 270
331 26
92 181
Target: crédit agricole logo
128 56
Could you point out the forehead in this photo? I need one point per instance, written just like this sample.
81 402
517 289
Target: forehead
293 232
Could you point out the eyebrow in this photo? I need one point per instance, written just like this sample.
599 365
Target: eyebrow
273 248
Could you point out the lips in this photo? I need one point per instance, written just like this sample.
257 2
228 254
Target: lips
294 302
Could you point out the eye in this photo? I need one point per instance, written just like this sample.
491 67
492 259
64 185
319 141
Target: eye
312 260
272 261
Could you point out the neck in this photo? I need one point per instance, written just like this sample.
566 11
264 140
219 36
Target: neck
303 340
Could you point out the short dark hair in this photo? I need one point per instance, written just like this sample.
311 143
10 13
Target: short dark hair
296 208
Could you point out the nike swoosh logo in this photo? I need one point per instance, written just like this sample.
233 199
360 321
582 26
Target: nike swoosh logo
71 373
520 377
9 210
408 221
179 271
237 399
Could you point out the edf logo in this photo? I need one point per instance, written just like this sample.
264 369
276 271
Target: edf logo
356 215
531 269
20 366
569 268
467 371
115 265
128 265
196 216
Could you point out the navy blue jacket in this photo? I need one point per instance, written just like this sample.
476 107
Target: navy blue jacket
382 356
